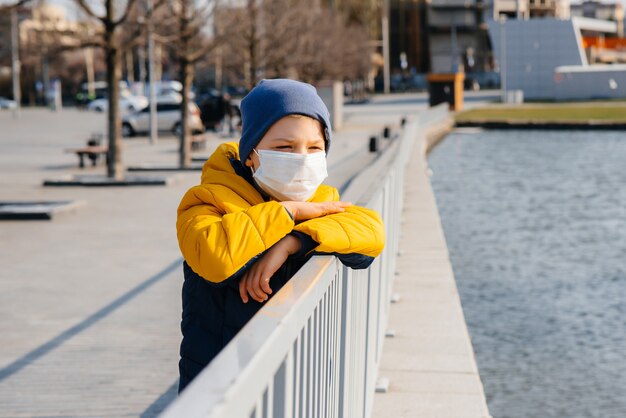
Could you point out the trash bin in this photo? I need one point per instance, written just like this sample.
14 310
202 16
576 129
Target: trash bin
446 88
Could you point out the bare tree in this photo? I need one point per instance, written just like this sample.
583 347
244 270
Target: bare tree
263 38
111 22
283 34
365 14
290 38
334 51
191 44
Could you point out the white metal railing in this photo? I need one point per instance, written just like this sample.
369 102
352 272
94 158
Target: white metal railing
313 350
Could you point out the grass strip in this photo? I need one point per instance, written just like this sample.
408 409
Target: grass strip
552 113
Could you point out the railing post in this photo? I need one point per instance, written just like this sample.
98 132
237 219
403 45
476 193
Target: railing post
345 346
337 337
298 367
283 393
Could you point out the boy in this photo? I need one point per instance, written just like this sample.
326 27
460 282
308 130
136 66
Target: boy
259 213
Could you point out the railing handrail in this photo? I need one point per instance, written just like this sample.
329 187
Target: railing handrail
216 384
230 385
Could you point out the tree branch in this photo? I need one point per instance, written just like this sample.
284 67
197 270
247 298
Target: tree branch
195 56
129 7
164 38
156 6
6 8
82 45
87 9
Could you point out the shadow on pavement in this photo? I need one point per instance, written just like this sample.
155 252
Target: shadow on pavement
63 167
161 402
91 320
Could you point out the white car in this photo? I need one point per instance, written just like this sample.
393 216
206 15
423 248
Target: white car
127 104
168 119
7 103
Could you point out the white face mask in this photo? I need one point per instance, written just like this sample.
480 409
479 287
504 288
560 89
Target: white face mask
289 176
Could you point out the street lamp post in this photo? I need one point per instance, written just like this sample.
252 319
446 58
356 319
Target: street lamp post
153 132
454 47
91 91
15 63
503 57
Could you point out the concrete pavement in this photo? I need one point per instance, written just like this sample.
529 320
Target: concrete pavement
90 302
430 361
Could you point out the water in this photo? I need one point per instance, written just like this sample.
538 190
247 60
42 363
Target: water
536 226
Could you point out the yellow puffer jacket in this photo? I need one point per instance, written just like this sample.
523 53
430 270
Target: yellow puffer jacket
224 222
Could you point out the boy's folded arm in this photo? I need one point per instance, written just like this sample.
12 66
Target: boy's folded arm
217 246
356 231
307 244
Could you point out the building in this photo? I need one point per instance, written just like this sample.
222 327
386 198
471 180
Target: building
458 29
546 60
23 13
49 27
559 9
458 36
50 51
613 12
408 35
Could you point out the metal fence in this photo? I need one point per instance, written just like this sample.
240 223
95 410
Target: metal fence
313 350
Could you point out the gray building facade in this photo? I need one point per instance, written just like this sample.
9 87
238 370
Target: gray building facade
593 82
530 51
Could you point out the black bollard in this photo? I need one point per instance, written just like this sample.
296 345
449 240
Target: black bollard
402 122
386 132
373 143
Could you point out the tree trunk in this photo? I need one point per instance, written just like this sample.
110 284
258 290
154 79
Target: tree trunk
252 44
186 74
115 168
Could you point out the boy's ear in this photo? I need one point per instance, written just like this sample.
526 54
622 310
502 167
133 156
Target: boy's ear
248 162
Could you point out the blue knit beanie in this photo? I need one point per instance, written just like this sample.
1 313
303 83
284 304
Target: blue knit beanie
272 100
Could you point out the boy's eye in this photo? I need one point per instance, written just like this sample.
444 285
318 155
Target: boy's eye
316 147
283 147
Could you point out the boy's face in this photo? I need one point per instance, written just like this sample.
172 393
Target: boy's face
296 134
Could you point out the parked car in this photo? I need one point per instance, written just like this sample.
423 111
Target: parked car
7 103
99 91
128 103
168 119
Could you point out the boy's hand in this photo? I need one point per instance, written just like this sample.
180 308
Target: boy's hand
303 211
256 281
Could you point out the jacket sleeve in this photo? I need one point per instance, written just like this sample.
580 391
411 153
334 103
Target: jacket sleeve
217 245
355 261
358 230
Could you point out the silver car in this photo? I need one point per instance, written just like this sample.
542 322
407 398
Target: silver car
7 103
128 103
168 119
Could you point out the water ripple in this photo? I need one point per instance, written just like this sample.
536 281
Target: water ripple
536 226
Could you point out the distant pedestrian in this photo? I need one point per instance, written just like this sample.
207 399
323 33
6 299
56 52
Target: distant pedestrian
227 123
258 215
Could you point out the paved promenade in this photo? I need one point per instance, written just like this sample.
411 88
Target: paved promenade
430 361
90 302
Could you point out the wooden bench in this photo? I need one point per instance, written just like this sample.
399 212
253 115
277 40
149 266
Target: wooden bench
93 152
